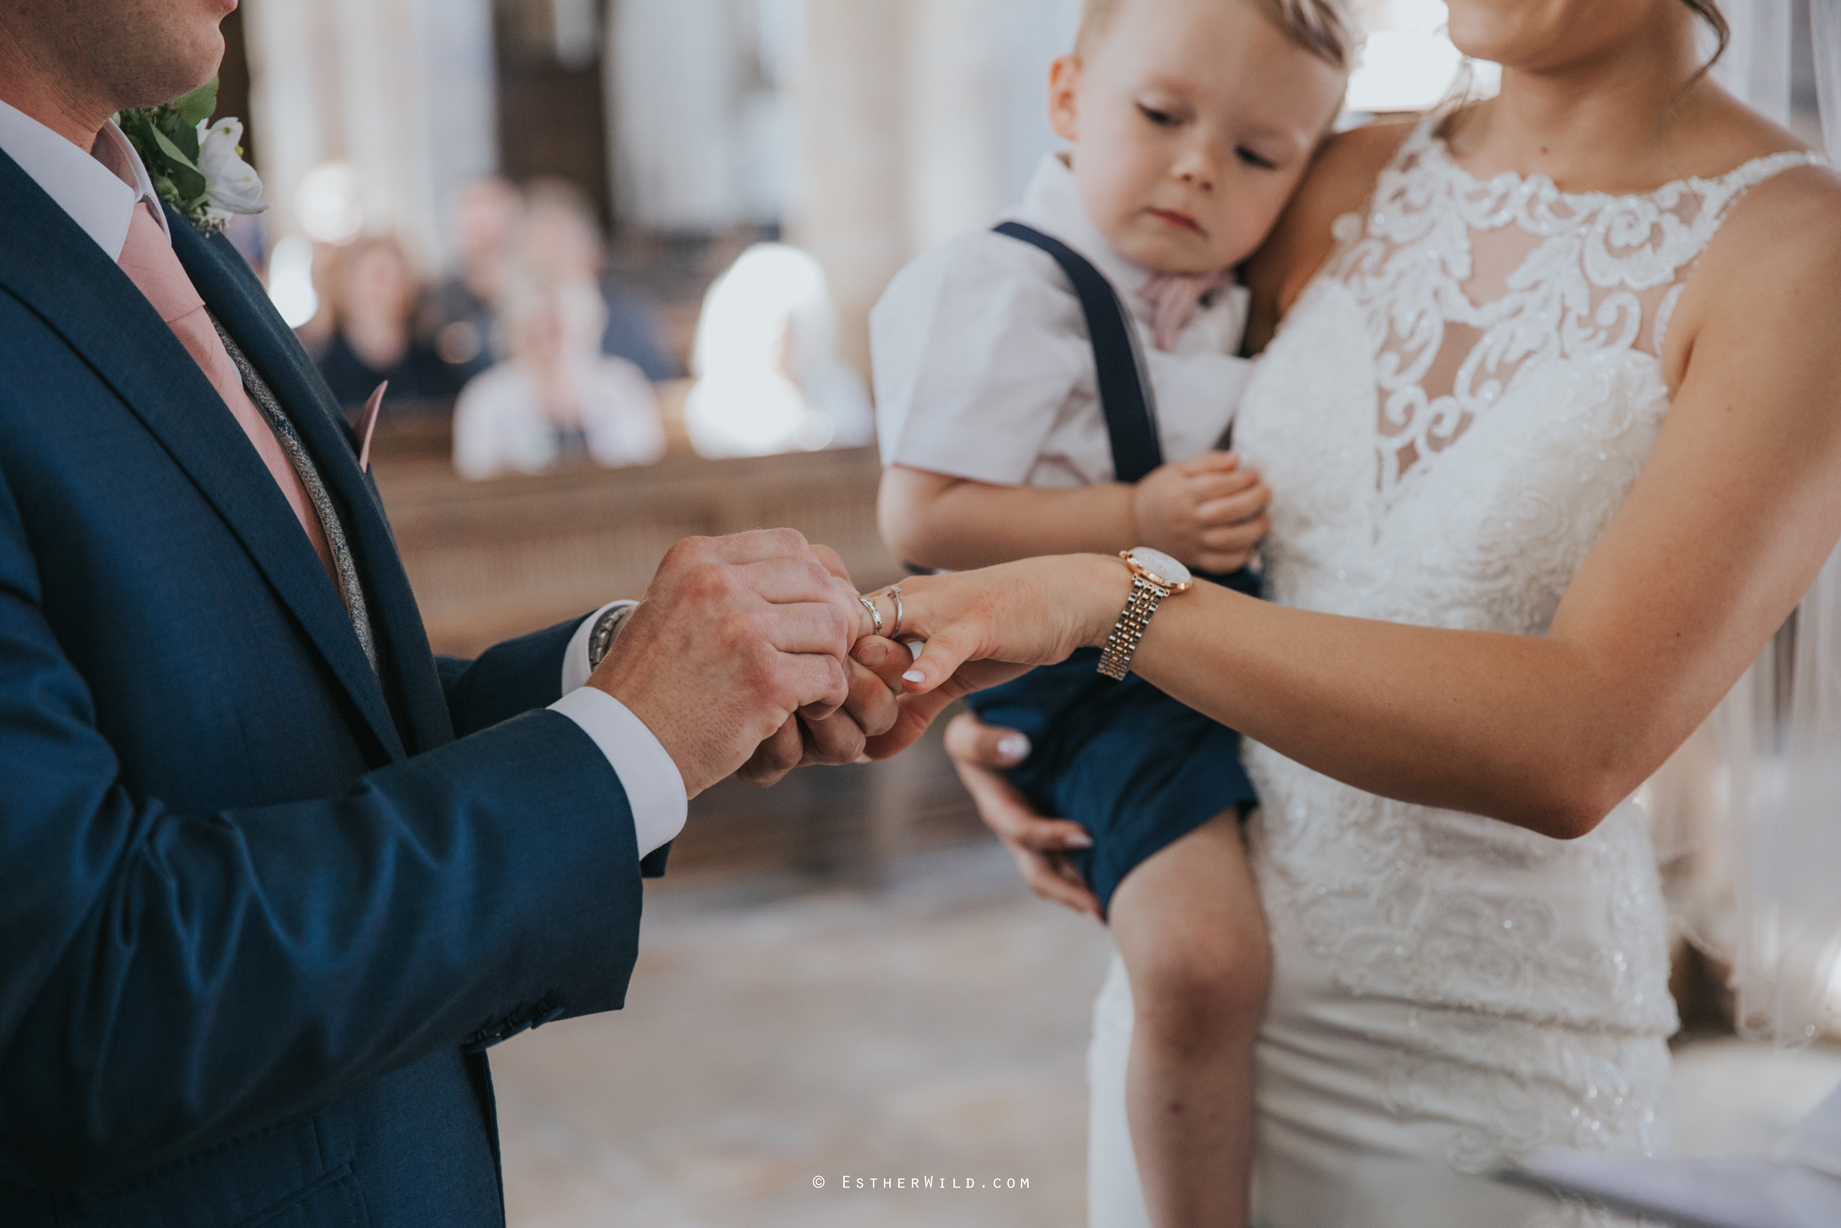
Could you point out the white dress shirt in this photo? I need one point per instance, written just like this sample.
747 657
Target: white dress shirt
103 204
984 369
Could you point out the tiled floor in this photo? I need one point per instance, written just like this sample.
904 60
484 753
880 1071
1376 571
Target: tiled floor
933 1028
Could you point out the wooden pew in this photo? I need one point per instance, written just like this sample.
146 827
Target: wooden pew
499 558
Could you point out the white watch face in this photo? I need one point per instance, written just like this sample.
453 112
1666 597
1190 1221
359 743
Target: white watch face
1161 566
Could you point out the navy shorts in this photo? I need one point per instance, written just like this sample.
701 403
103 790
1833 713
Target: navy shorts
1137 769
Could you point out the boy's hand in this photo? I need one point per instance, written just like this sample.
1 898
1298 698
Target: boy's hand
1207 512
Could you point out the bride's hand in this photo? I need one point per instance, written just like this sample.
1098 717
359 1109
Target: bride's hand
983 627
1041 846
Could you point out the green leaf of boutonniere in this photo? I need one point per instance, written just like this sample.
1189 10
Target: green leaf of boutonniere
181 167
196 107
203 178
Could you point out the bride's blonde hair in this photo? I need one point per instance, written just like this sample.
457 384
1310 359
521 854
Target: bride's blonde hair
1325 28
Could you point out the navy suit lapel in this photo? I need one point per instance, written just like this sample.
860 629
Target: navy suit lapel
58 271
233 293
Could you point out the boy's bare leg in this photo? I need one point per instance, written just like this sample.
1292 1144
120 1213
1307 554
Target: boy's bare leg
1188 925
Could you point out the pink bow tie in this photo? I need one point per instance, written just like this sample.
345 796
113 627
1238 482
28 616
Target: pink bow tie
1173 298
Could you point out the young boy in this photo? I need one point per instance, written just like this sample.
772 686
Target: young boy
1060 385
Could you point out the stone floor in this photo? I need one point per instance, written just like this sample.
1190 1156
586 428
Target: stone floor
934 1026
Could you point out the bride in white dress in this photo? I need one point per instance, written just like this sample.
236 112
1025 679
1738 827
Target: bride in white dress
1558 460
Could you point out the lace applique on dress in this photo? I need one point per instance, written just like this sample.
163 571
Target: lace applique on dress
1468 282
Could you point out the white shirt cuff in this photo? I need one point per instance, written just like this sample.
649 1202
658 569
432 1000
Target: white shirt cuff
654 788
575 657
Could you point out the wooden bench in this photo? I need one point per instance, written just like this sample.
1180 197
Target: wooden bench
494 559
497 558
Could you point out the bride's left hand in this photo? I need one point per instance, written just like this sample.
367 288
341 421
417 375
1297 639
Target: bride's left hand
980 628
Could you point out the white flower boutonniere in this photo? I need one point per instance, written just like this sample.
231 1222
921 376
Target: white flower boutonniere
231 185
196 166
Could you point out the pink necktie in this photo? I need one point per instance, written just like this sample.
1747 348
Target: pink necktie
1174 297
148 260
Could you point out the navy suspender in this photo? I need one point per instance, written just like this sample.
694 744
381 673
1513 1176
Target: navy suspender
1124 393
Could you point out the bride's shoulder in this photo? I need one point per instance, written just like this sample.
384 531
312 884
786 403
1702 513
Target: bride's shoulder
1360 153
1340 179
1786 207
1775 262
1721 138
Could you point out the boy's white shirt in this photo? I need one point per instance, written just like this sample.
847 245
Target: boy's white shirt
983 368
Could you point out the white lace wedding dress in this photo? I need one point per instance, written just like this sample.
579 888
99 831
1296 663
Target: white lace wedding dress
1451 415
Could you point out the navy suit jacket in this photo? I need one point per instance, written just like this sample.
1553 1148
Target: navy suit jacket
260 911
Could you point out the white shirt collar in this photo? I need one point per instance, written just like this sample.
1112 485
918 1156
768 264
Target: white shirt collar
1052 205
96 197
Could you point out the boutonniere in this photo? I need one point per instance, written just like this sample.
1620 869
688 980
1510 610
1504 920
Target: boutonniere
196 166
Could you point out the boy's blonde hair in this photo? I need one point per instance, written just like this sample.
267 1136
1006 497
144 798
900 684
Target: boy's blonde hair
1325 28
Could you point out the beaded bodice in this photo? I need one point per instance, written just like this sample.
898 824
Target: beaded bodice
1451 415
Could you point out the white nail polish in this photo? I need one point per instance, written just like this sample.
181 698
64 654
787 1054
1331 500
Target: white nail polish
1014 747
916 647
914 675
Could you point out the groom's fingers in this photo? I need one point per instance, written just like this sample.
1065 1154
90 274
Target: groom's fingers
883 658
872 703
870 711
775 757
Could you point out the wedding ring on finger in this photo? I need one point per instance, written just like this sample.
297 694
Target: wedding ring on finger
875 615
895 596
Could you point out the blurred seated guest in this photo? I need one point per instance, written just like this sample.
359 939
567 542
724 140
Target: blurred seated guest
769 378
557 396
457 313
374 295
560 237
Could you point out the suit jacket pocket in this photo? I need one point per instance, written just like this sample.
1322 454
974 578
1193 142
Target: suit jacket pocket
333 1201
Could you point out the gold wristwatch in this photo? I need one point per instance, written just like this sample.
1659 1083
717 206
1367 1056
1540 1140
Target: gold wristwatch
1155 575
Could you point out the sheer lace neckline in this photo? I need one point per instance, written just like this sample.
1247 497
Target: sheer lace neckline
1433 144
1472 287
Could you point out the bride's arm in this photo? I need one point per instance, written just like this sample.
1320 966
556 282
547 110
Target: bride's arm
1737 508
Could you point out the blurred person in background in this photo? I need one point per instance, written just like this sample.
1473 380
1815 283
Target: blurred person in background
560 238
557 396
374 296
457 313
769 377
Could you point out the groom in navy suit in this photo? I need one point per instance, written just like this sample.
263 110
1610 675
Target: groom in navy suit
273 877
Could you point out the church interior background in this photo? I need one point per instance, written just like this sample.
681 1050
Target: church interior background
842 976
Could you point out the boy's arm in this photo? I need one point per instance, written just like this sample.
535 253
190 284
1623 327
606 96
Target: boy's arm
1207 512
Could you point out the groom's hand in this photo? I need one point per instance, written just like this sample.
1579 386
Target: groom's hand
875 666
734 637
